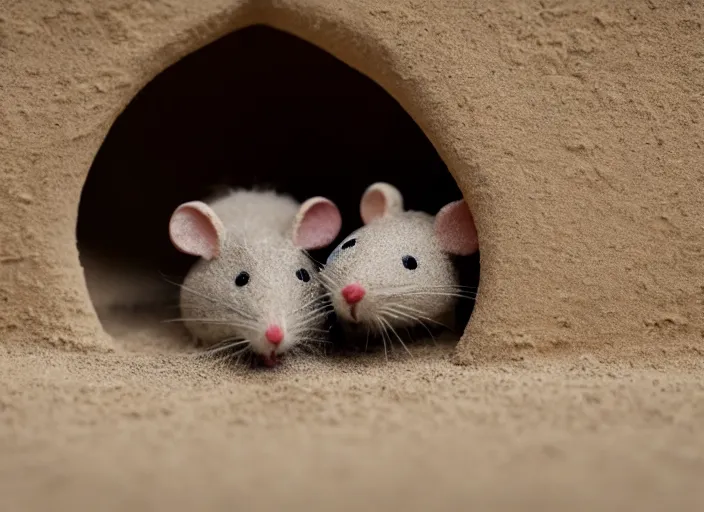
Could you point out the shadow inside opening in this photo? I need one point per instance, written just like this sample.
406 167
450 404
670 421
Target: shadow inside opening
258 107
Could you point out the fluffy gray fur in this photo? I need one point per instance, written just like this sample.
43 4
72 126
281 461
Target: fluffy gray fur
395 296
259 237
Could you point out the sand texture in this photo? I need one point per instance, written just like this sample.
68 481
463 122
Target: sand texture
574 130
149 431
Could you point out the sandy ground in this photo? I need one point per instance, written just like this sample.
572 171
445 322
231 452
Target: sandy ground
146 428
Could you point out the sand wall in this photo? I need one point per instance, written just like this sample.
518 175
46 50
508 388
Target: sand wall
573 128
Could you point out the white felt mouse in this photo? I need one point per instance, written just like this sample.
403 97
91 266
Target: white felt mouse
253 287
397 270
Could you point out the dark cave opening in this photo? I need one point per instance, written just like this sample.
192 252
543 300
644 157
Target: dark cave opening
258 107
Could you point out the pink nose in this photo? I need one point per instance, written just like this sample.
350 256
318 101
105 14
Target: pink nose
353 293
274 334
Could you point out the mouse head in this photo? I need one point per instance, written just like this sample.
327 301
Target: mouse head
397 269
261 295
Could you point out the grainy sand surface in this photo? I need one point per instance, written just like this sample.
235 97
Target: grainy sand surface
146 428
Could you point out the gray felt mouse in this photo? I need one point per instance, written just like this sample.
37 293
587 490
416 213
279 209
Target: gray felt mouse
397 270
253 287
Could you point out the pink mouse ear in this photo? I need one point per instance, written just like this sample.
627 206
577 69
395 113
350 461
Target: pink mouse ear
455 229
317 224
380 199
195 229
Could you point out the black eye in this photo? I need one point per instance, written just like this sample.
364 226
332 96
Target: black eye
303 275
242 279
349 243
409 262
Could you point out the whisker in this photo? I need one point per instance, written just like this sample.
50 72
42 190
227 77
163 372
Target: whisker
430 333
306 305
414 319
418 313
318 312
307 253
231 307
383 337
242 352
410 334
329 269
414 287
327 281
336 276
332 276
431 287
225 341
212 321
302 329
217 311
425 294
389 326
214 351
421 290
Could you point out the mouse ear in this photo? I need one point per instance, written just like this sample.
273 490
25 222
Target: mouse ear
380 199
317 223
195 229
455 229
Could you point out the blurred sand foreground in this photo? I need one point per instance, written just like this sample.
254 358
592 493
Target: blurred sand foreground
158 430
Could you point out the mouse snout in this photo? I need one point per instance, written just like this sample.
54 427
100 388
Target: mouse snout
353 293
274 334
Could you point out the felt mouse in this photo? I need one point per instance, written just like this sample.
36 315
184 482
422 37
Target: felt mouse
253 287
397 270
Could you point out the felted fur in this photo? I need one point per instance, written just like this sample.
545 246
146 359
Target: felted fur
397 296
258 239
